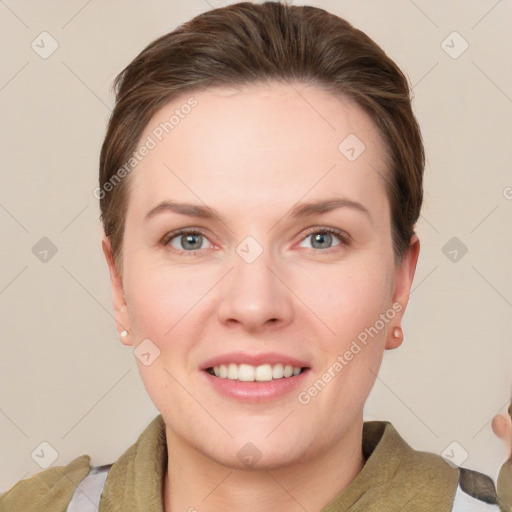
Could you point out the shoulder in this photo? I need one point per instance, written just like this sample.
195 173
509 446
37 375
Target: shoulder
425 480
47 491
401 460
476 492
505 486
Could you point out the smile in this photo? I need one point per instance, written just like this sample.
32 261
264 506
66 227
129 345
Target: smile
250 373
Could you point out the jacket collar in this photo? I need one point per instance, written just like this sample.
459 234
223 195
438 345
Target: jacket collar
394 476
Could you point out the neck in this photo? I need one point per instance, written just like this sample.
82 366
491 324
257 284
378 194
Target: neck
194 481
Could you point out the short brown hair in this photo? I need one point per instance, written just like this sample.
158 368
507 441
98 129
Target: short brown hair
248 43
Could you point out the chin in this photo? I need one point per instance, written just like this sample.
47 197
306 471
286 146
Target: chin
250 457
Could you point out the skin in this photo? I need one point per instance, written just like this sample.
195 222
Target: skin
502 428
252 154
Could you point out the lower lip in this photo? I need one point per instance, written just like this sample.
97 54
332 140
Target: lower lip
256 392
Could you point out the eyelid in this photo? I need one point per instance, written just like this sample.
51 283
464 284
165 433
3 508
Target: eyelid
343 237
165 241
181 231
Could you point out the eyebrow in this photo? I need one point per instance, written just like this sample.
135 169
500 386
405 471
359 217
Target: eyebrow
298 211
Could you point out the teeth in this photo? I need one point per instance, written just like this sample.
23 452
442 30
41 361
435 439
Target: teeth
278 371
263 373
288 370
249 373
232 372
245 373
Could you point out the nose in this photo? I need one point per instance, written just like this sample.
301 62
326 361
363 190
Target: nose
254 296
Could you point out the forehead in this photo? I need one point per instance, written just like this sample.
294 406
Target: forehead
279 140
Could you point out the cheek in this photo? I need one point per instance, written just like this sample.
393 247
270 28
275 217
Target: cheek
163 302
351 298
162 298
356 303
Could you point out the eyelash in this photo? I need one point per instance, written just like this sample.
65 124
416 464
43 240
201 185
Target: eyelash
343 237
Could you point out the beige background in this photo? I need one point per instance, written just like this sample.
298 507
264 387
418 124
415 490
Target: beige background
66 379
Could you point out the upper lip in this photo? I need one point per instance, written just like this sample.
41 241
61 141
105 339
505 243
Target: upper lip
253 359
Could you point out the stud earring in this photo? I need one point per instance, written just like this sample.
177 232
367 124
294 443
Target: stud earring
397 332
124 334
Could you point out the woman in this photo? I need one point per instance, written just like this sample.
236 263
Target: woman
260 181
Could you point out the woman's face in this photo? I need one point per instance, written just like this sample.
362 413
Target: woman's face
287 260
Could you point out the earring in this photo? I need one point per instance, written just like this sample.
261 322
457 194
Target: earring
124 334
397 332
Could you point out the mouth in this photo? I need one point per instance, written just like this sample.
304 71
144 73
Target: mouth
256 378
260 373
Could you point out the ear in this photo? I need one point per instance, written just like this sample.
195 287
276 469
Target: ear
403 282
116 282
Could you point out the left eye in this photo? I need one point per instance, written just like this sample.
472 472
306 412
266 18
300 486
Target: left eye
323 239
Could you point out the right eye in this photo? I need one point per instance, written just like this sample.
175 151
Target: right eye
186 240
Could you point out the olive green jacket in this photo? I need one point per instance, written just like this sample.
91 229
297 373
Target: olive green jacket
395 477
505 487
